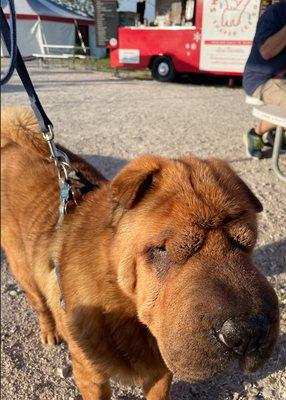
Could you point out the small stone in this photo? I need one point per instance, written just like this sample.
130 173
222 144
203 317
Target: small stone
13 293
268 393
253 391
65 372
246 385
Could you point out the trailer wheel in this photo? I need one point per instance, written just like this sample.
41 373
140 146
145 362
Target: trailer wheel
163 69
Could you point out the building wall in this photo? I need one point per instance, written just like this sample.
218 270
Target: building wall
94 50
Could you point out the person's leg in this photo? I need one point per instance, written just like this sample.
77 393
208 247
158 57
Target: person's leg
272 92
262 127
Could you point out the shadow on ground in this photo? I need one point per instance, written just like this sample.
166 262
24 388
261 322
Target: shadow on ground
210 80
108 166
271 259
53 84
15 88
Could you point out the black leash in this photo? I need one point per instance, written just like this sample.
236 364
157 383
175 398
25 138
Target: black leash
17 60
13 43
65 171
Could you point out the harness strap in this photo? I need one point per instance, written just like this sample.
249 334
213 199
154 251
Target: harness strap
87 186
58 276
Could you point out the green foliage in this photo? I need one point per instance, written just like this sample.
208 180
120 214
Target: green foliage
83 6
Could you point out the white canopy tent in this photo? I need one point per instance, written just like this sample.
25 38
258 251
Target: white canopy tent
42 23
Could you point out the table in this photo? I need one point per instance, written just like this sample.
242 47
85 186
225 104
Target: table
277 116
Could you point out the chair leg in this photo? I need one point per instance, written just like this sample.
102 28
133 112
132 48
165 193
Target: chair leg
276 152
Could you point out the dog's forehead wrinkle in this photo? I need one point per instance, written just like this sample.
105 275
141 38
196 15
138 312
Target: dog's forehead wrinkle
211 207
214 187
197 185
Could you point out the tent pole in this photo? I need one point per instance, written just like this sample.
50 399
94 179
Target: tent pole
43 39
80 37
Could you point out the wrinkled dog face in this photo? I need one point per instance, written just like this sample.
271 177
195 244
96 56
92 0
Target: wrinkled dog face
185 233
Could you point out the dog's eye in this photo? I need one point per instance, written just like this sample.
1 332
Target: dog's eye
156 253
242 235
159 259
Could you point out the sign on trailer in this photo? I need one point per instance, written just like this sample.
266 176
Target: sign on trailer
106 21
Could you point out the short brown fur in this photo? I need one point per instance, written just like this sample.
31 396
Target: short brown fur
151 263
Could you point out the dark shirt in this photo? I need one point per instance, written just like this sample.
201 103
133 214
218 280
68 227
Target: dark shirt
257 70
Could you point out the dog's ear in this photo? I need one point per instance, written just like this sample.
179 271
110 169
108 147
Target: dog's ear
229 178
251 196
131 184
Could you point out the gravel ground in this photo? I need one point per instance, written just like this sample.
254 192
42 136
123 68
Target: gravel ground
110 120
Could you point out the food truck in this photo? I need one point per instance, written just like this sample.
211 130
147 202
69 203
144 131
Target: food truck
213 36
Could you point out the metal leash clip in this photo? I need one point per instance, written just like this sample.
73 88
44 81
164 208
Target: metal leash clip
64 168
66 193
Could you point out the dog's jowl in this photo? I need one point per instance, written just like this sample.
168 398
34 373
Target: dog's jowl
155 267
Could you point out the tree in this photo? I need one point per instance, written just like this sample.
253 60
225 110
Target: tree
83 6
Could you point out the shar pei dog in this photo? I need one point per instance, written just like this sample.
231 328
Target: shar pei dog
150 275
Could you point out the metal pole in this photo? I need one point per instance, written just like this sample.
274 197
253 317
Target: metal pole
276 152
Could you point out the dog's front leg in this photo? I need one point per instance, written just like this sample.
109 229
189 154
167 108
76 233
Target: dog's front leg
159 388
92 384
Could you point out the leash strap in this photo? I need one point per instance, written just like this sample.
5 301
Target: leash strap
44 121
59 280
13 44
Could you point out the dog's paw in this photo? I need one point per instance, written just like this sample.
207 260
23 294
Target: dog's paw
50 337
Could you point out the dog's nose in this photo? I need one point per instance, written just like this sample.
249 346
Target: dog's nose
244 336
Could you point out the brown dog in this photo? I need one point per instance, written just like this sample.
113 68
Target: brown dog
155 267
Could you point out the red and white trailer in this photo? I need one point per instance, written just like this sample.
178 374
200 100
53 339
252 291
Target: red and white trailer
218 42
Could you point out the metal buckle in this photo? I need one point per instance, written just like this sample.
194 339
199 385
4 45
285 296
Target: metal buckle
64 169
65 188
49 135
61 154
